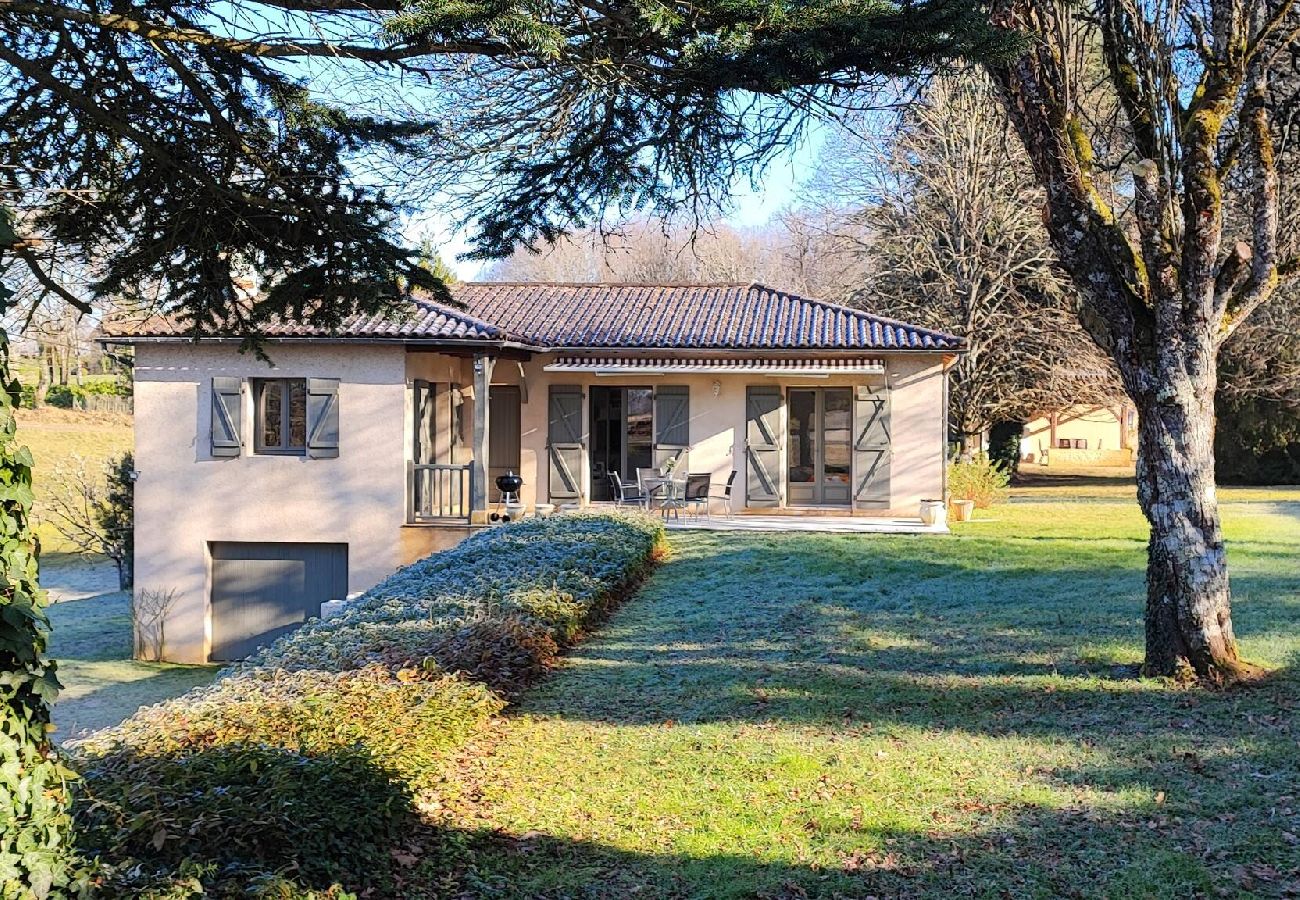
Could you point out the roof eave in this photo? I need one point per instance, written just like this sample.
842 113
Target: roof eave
403 340
776 351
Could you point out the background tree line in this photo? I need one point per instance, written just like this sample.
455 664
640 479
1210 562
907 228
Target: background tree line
935 220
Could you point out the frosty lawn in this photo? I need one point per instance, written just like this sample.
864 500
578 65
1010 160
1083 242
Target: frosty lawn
845 715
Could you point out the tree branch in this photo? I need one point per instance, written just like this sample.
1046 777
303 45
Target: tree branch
279 49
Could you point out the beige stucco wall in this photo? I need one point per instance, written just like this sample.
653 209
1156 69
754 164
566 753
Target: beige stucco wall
717 429
1099 427
186 499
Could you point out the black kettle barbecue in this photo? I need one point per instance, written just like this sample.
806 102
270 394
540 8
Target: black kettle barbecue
508 486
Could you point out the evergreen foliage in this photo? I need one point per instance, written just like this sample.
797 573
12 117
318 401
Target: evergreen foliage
1256 441
115 516
35 826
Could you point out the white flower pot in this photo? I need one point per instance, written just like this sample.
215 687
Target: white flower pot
963 510
934 513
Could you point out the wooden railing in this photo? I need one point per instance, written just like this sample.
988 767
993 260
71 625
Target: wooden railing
440 492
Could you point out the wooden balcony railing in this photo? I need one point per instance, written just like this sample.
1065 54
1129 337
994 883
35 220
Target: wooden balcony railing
440 493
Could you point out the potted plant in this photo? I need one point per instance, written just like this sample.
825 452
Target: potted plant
975 484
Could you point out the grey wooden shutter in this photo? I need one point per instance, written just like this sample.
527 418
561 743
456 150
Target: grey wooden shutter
564 442
227 417
871 448
672 424
762 446
322 417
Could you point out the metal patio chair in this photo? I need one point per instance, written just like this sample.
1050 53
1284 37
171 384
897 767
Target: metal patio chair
696 495
726 493
625 492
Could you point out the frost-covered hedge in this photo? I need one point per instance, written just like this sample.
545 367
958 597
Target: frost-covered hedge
360 710
557 572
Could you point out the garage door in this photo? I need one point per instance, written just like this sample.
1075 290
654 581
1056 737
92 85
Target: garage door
261 591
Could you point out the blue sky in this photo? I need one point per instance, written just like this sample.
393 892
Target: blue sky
752 205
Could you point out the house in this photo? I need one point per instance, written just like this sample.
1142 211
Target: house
1081 435
264 490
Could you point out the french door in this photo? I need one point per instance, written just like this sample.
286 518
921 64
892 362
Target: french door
622 439
819 453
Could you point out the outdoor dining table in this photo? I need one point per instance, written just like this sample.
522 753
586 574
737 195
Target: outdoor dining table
668 491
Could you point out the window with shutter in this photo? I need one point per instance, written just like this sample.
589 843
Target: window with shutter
280 415
564 442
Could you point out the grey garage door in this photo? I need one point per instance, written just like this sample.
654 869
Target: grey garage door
261 591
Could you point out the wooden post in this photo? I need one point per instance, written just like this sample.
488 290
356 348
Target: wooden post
1051 440
479 445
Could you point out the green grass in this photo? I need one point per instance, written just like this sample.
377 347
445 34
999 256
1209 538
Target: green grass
853 715
102 685
56 437
1115 483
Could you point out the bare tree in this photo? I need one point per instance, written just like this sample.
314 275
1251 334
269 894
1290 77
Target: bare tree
149 610
1163 280
654 252
92 509
943 213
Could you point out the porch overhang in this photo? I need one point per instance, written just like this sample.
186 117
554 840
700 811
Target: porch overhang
807 367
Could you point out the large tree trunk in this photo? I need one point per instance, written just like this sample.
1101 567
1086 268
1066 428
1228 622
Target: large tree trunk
1189 602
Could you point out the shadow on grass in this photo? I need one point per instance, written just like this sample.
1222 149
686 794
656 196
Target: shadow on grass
869 638
318 819
91 642
988 637
1143 851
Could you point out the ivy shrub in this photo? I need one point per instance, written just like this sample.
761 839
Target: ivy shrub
37 857
230 787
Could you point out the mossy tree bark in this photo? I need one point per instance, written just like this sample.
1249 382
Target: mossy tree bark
1162 283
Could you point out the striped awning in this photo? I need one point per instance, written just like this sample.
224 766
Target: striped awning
805 367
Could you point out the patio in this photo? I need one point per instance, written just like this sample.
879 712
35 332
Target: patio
811 523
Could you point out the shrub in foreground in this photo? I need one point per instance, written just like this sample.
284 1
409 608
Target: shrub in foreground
301 768
978 479
327 817
405 723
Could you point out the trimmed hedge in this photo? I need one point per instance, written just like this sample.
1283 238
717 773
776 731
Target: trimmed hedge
403 723
559 573
331 735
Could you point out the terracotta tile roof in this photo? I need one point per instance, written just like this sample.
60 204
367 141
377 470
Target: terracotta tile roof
426 319
617 316
687 316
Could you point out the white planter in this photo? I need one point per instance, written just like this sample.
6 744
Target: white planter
963 510
934 513
544 510
515 511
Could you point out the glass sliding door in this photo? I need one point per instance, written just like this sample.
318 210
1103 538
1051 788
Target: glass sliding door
819 446
801 447
639 428
622 435
837 450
